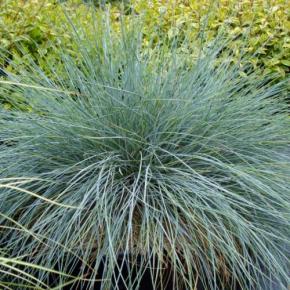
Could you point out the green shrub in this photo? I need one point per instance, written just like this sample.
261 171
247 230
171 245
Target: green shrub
136 152
38 26
35 28
267 23
37 33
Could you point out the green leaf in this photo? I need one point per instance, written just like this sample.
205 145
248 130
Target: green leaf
285 62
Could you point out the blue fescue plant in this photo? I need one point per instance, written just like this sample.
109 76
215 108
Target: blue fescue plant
146 157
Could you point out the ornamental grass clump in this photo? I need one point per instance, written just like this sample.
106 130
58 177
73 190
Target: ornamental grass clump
144 162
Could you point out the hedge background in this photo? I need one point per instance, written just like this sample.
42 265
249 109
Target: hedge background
36 28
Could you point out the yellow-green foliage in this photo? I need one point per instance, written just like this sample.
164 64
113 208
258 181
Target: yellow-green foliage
38 26
266 22
38 31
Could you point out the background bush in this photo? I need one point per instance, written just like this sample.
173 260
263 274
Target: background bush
38 26
37 29
267 23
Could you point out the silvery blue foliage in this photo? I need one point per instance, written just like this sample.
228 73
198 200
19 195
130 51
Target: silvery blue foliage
145 152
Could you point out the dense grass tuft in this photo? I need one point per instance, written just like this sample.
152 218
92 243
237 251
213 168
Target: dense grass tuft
138 156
